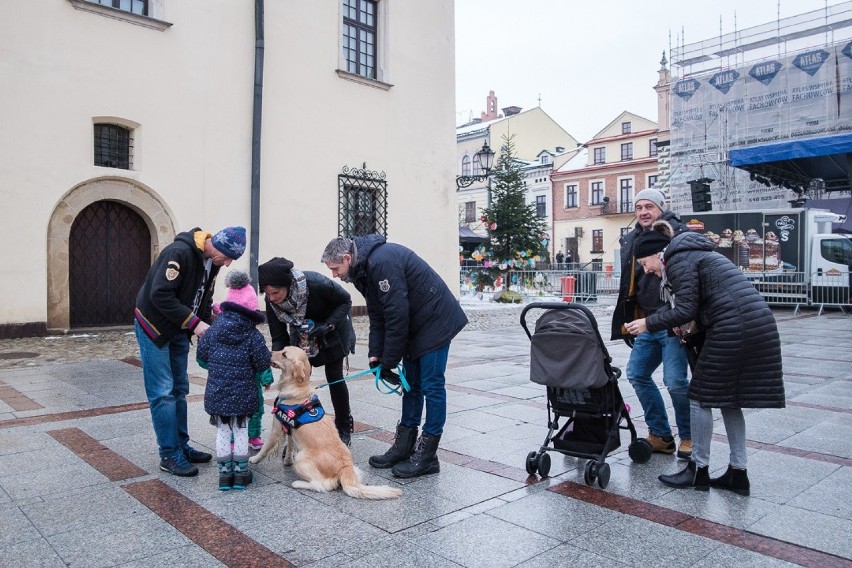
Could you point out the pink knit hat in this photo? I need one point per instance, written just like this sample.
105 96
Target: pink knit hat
240 290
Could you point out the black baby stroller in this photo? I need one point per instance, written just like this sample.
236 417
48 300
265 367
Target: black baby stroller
568 356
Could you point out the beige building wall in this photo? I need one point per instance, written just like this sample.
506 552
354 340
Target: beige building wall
187 92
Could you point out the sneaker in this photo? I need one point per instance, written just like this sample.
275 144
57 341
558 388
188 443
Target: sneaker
255 443
684 450
242 478
661 445
178 465
194 456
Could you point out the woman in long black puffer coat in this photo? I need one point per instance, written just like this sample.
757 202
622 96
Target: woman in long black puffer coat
737 350
292 298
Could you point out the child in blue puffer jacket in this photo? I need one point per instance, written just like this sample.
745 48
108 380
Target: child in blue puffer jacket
234 353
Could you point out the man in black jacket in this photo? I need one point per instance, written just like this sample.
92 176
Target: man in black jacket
639 296
174 301
413 317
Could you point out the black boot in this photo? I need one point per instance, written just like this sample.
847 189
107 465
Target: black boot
691 476
735 480
345 430
403 447
423 461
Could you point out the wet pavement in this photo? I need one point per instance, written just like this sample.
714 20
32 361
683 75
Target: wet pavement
80 484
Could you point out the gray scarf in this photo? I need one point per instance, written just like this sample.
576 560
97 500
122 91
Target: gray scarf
292 309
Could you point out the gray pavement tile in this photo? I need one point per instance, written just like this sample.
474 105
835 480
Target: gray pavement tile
637 542
568 555
480 421
107 544
100 504
829 496
825 438
726 556
403 554
486 541
463 486
775 425
523 392
40 483
462 402
488 447
807 528
33 553
823 399
554 515
779 478
21 439
723 507
191 556
524 431
15 527
826 369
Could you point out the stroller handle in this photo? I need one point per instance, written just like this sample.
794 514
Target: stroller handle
558 306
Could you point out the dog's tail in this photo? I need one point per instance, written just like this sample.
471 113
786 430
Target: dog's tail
350 482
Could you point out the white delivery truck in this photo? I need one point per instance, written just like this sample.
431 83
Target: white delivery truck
791 255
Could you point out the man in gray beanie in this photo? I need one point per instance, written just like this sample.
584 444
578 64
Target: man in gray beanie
639 296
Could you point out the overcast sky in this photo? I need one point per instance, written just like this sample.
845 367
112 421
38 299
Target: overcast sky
588 61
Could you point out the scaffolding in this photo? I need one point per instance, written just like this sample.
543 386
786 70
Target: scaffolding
782 81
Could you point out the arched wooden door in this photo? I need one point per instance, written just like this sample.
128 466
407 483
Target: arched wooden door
109 256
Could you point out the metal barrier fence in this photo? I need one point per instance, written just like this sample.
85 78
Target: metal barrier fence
587 285
795 289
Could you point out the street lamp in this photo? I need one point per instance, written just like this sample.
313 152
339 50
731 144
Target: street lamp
486 160
485 156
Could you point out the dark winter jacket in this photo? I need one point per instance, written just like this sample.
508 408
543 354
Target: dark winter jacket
233 351
328 303
739 365
411 309
165 301
642 298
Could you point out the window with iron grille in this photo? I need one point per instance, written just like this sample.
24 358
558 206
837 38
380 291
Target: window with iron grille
470 211
362 207
625 189
139 7
652 147
541 206
597 191
626 128
465 166
359 37
113 146
627 151
597 240
652 180
570 196
600 155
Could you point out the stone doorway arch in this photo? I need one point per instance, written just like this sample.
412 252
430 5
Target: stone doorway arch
142 199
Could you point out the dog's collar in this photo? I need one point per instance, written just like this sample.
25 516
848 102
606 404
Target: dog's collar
292 416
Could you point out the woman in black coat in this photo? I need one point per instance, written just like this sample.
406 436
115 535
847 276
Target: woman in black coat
295 298
736 351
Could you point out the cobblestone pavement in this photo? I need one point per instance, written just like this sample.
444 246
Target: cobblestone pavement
117 343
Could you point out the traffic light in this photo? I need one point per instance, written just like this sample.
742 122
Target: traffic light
700 189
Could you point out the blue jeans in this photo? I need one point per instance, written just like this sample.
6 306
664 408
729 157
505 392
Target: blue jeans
425 375
649 350
166 386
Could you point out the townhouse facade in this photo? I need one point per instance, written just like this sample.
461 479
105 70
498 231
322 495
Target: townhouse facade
593 192
126 122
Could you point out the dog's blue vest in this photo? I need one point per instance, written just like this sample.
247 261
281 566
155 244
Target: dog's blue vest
293 416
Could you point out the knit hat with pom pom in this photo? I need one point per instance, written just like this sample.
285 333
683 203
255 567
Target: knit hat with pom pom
240 290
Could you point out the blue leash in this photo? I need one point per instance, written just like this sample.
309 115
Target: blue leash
380 382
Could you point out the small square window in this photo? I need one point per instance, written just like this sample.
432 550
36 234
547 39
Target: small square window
113 146
626 128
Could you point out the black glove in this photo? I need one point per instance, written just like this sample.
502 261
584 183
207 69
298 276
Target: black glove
390 377
387 374
320 330
629 340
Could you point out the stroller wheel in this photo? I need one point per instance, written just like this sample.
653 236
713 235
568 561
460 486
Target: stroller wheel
640 451
544 464
590 472
603 475
532 460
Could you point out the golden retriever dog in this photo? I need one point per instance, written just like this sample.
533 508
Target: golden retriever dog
314 450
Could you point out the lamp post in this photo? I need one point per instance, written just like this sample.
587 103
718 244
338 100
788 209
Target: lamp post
485 156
